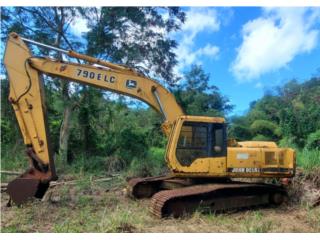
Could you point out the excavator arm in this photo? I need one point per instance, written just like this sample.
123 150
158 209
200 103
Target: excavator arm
27 98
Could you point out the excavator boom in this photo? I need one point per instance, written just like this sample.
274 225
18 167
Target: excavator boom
28 101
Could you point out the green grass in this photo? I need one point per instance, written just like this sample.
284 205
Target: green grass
81 220
90 208
120 220
313 217
84 166
13 157
308 159
86 206
256 223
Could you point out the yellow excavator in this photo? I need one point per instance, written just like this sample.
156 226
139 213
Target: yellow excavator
203 163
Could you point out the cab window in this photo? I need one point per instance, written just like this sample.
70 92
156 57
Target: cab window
218 140
200 140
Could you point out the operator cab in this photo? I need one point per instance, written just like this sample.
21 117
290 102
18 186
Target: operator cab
198 138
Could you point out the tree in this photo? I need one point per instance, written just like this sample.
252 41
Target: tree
9 131
48 25
197 97
137 37
290 115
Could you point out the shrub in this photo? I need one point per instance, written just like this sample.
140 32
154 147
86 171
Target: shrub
265 127
313 140
154 164
13 157
288 142
261 137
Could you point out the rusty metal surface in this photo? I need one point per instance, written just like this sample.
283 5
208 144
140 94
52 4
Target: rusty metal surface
22 189
188 196
174 183
177 201
145 187
32 183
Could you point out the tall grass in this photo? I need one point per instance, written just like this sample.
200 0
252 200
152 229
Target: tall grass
13 157
154 164
308 159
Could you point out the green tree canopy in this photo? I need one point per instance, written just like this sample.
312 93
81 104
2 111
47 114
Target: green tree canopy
291 113
198 97
137 37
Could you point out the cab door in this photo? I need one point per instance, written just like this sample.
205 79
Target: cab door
218 154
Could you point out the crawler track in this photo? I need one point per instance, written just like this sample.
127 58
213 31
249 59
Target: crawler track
213 197
203 195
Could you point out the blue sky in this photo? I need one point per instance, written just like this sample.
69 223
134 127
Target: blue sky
248 50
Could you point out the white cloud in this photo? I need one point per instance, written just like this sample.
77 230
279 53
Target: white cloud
198 20
79 26
208 50
272 41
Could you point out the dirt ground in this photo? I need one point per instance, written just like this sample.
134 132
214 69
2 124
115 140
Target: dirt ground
89 206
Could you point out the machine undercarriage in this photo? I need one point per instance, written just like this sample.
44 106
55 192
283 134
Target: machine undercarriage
181 196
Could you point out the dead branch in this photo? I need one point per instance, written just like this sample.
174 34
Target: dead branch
10 172
316 203
54 183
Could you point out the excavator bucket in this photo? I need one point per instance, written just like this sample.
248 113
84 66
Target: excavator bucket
33 183
22 189
27 99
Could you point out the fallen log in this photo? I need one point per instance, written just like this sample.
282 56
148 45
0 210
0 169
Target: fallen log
10 172
55 183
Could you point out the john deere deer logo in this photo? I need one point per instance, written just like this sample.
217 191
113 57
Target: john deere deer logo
131 84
